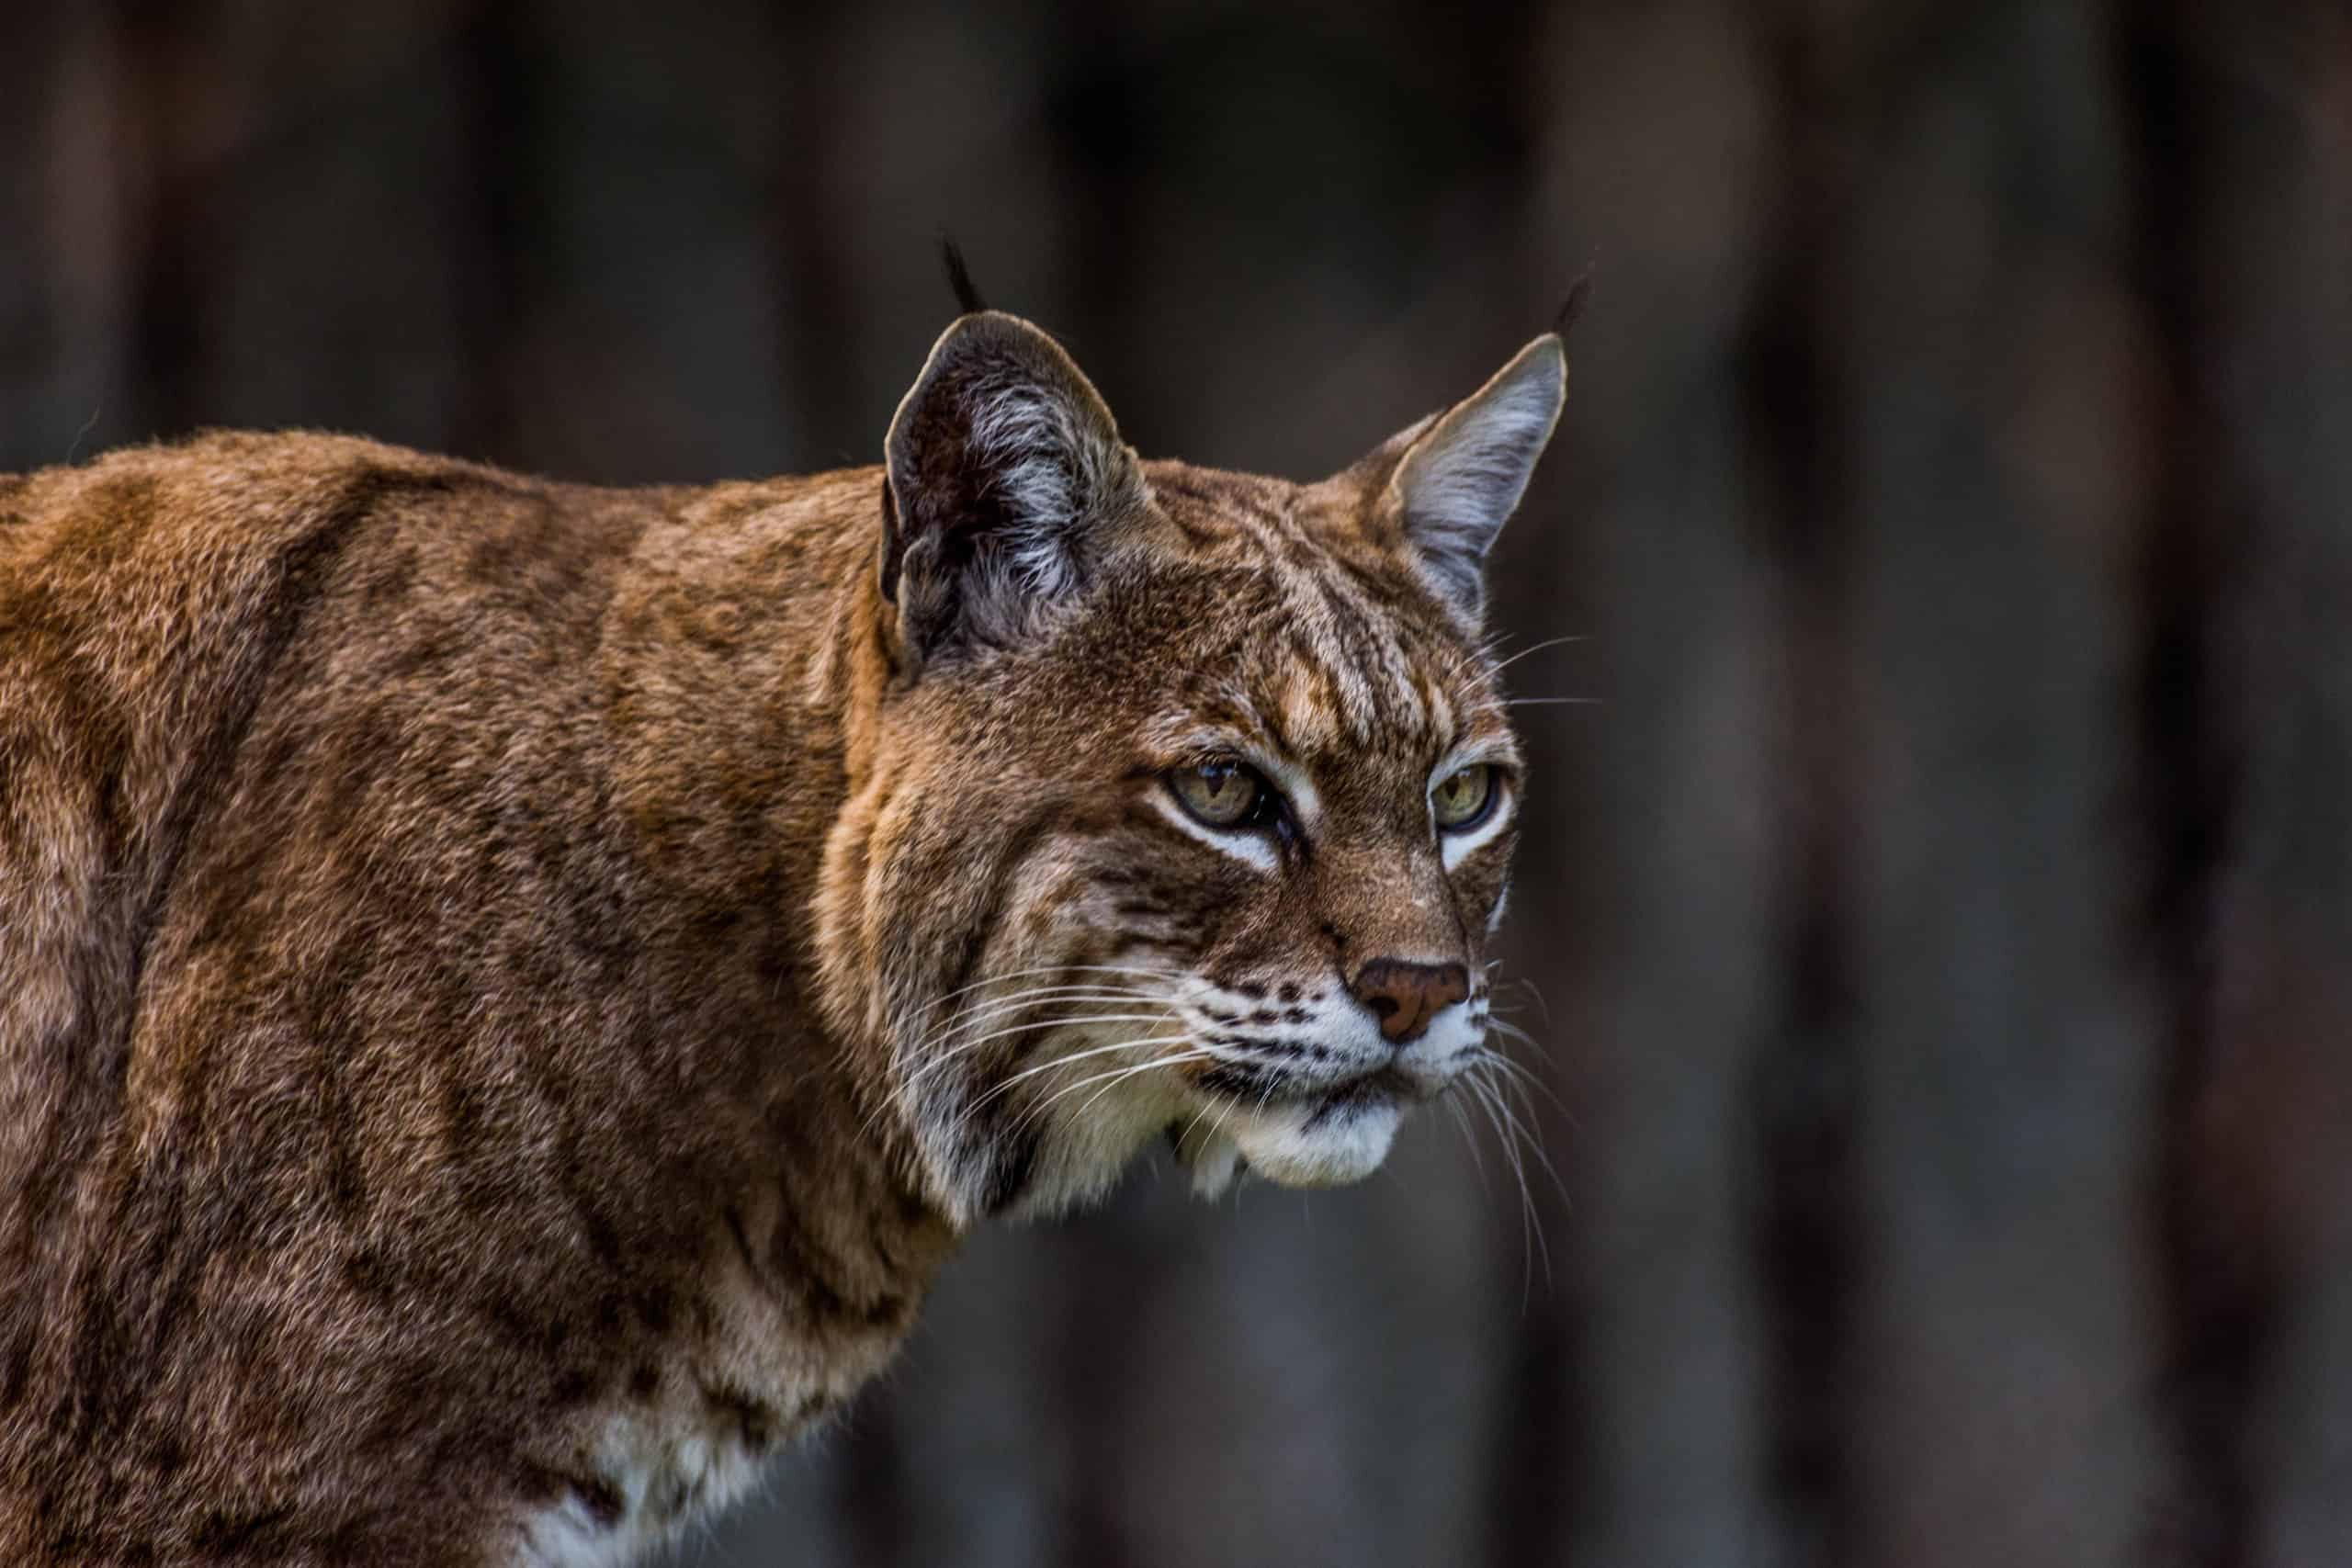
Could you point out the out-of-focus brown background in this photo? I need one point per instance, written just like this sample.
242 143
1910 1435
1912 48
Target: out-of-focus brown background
1942 917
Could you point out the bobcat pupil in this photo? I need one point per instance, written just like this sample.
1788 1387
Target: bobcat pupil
1462 798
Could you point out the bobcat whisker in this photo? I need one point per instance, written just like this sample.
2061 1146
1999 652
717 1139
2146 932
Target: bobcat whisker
1030 999
1203 1110
1542 1007
1526 1128
1224 1114
1480 1099
1512 1080
1221 1106
1538 647
1512 1032
1037 1026
1479 659
1035 997
1115 1073
1112 983
1049 969
1508 1130
1521 1071
1266 1095
947 1058
1127 1072
1061 1062
1470 1142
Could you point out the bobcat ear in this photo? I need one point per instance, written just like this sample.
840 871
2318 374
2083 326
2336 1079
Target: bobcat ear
1462 472
1006 479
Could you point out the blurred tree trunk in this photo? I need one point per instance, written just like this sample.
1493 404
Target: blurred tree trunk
2266 1132
1673 995
2007 1063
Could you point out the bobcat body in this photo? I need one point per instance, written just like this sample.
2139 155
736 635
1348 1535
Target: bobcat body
508 991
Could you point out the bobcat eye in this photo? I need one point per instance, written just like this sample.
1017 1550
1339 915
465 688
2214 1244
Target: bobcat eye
1220 794
1462 800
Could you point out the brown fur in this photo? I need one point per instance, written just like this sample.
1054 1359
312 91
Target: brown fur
476 953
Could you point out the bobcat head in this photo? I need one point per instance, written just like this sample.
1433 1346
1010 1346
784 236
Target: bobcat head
1188 801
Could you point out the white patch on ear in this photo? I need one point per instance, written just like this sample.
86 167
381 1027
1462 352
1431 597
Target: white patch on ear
1030 441
1008 479
1463 477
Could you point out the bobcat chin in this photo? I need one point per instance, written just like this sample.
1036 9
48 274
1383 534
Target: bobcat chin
508 990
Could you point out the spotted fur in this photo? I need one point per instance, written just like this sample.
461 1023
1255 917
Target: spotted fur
508 991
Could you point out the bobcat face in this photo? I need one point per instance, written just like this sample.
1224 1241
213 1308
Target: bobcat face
1191 796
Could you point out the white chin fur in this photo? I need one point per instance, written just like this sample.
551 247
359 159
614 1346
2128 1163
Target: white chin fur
1340 1147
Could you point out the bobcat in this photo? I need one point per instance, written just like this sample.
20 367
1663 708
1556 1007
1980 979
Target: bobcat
508 990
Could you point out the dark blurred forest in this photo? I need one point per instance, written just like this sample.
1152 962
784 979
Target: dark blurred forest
1938 921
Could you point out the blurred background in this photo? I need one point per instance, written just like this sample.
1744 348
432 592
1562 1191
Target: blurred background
1937 924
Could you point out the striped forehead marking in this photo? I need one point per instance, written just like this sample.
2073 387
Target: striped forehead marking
1354 679
1366 651
1361 675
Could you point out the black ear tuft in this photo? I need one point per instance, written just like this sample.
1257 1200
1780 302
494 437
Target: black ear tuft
1574 307
960 277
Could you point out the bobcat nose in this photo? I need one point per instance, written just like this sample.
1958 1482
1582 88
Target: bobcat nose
1405 996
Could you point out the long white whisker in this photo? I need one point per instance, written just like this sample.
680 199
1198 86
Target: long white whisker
1483 1097
1223 1105
1059 1061
1534 1144
1048 969
1206 1107
1077 1056
1528 1083
1479 653
1525 983
1030 999
1098 1094
1051 1025
947 1057
1510 1083
1522 1072
1115 1074
1534 1215
1470 1141
1001 1031
1549 642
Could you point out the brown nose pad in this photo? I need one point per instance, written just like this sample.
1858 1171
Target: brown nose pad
1407 995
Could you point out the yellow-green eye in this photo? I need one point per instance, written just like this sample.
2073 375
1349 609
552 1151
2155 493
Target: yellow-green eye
1462 798
1222 795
